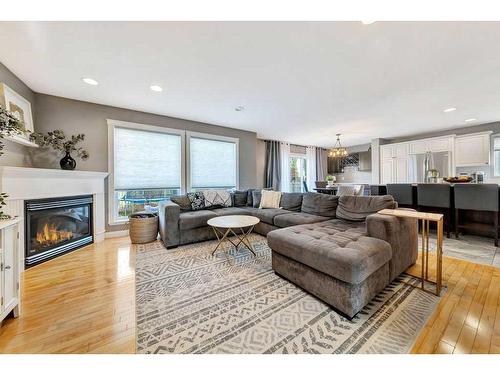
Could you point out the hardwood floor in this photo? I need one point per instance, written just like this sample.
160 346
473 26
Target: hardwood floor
84 302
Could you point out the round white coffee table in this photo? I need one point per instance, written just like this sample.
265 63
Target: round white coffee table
224 226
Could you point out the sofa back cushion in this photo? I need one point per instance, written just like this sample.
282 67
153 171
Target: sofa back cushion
291 201
357 208
319 204
240 198
183 202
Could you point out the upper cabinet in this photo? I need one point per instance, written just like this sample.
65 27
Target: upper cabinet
472 150
438 144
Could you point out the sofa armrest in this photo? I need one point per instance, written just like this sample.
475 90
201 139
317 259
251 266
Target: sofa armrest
401 234
168 214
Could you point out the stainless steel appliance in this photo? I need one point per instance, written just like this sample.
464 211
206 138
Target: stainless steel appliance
478 177
429 166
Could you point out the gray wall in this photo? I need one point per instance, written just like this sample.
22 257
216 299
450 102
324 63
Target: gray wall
261 163
74 116
14 153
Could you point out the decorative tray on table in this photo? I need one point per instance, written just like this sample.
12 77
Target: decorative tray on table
457 180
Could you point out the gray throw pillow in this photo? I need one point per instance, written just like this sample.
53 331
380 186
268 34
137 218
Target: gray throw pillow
319 204
239 198
183 202
291 201
256 196
357 208
197 200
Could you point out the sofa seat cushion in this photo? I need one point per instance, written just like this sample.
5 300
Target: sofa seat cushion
267 215
229 211
347 255
195 219
297 218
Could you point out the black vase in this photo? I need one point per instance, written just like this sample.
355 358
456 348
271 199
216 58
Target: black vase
67 162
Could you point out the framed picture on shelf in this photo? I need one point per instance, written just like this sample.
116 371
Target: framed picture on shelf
19 107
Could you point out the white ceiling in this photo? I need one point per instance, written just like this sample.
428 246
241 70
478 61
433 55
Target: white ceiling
300 82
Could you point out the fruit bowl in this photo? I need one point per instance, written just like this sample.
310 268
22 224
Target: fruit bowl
458 180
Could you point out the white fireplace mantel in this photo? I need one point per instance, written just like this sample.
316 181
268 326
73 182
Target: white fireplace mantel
34 183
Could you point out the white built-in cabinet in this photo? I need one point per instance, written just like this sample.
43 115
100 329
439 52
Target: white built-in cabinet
472 150
9 268
394 163
395 157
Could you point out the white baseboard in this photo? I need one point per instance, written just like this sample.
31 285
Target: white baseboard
117 233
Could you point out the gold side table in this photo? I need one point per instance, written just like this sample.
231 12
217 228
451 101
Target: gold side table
426 218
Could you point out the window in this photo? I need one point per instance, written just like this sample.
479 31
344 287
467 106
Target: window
213 162
496 155
149 164
146 167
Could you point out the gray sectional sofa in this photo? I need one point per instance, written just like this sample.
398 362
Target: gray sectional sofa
338 249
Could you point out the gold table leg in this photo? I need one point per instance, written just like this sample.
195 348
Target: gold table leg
241 239
425 233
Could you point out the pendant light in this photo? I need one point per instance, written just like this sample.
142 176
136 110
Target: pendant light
338 151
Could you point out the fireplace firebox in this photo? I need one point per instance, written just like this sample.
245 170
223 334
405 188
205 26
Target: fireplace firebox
56 226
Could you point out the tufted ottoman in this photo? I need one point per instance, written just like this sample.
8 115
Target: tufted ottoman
335 261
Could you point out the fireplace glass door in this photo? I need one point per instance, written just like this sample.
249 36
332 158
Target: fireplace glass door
57 226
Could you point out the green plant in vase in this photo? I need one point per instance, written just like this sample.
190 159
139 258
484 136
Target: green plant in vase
59 143
330 180
9 125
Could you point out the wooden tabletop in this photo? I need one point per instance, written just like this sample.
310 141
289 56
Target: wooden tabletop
412 214
233 221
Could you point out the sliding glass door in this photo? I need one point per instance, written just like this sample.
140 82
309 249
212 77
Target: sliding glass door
298 173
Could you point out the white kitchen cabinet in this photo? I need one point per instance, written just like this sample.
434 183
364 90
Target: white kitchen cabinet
438 144
472 150
9 268
387 171
394 163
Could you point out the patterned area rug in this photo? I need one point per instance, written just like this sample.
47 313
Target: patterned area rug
189 301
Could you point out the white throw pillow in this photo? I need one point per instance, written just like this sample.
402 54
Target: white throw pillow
270 199
217 198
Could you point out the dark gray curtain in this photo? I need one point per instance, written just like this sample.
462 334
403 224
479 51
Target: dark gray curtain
273 165
321 164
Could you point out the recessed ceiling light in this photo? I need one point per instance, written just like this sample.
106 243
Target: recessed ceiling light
239 108
156 88
450 109
90 81
471 119
368 22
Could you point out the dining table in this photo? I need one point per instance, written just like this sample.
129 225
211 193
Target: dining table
327 190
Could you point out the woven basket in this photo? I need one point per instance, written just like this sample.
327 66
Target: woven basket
143 230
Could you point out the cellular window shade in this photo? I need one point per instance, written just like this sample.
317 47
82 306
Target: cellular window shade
213 163
146 160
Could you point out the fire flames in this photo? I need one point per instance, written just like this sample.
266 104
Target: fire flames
50 235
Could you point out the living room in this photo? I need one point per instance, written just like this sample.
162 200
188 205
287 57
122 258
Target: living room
251 187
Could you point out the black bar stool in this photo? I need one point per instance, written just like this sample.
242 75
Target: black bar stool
402 193
477 197
437 198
